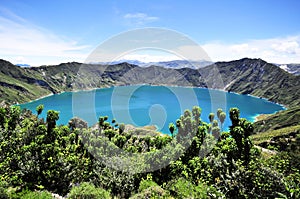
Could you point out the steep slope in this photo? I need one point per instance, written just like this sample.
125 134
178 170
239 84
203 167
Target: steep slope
18 84
279 120
245 76
280 131
259 78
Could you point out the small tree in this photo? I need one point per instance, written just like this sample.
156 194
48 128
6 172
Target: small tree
219 111
121 128
215 123
187 113
39 109
234 115
101 121
77 123
101 124
222 118
211 117
13 120
240 131
196 112
172 128
106 125
2 117
52 117
216 132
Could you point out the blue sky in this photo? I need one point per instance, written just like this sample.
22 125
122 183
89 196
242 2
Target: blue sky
51 32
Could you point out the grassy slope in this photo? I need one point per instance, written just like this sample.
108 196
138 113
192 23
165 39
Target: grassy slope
259 78
246 76
17 84
281 130
271 134
282 119
18 91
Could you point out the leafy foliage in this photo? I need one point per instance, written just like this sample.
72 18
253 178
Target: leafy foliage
34 195
87 190
37 154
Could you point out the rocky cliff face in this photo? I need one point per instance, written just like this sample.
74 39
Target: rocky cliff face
245 76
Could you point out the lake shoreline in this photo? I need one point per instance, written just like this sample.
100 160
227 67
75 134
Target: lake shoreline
144 98
175 86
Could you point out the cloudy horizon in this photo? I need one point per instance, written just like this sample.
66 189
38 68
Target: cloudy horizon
31 34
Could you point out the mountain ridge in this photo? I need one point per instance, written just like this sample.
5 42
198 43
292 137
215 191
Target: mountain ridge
245 76
174 64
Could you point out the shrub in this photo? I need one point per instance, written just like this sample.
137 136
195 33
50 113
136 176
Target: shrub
183 188
154 191
3 193
27 194
145 184
88 191
3 190
37 195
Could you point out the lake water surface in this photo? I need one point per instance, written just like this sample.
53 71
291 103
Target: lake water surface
149 105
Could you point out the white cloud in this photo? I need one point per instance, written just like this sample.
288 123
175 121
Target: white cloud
289 46
139 19
192 52
22 41
274 50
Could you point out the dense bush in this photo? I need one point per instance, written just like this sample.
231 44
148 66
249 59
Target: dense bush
34 195
88 191
37 154
150 189
145 184
183 188
3 190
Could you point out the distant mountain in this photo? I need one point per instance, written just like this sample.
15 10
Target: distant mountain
246 76
176 64
23 65
291 68
129 61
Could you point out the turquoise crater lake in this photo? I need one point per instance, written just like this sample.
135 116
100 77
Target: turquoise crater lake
149 105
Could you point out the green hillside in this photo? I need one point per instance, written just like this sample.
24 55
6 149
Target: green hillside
39 157
259 78
282 119
245 76
280 131
18 84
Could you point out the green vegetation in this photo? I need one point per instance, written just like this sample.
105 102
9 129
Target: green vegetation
245 76
273 134
88 190
33 195
198 160
37 157
280 131
259 78
282 119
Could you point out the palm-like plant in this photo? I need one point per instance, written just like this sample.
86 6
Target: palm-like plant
172 128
